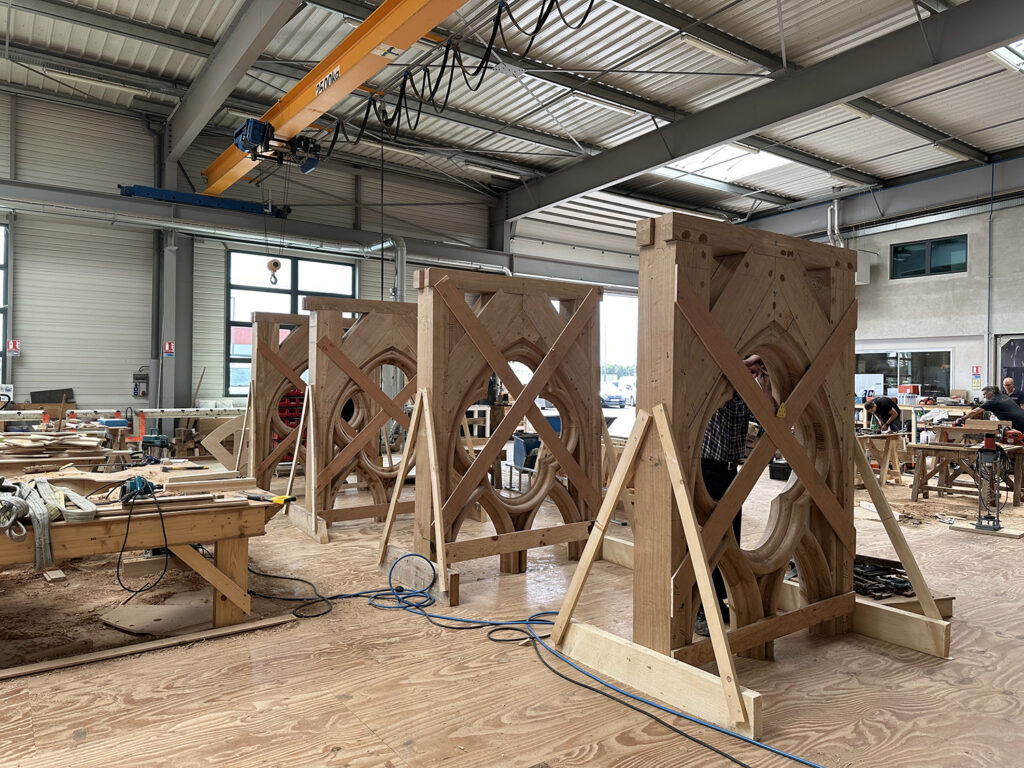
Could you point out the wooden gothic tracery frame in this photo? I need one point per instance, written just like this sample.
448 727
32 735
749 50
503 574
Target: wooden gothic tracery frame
710 294
351 342
512 319
277 368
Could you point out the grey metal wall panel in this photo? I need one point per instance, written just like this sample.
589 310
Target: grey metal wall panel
208 318
82 308
80 148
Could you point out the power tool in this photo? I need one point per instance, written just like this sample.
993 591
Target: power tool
1013 437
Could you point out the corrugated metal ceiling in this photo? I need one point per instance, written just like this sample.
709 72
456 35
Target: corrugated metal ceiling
977 101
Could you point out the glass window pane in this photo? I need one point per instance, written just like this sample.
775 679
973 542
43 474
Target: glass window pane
929 369
244 303
3 245
323 277
949 255
240 341
238 378
909 260
251 269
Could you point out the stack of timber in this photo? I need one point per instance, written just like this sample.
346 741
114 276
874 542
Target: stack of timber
45 451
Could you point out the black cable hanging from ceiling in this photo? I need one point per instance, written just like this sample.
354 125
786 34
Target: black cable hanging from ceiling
425 85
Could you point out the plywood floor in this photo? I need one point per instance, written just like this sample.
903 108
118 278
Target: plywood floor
363 687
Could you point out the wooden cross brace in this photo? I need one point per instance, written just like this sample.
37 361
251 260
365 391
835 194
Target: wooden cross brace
694 541
525 396
776 423
720 522
350 451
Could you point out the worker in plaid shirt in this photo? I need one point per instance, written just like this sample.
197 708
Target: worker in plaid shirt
724 445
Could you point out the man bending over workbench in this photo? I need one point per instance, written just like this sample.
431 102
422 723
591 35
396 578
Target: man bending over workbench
1002 406
887 412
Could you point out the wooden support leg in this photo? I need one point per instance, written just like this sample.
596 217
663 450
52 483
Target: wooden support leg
918 475
231 556
1018 475
899 543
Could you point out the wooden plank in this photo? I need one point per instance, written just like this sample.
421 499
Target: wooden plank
765 630
283 368
472 549
722 238
479 282
434 473
415 573
1006 533
357 306
685 688
702 569
617 551
895 533
363 511
604 516
231 558
219 580
403 473
909 630
215 486
106 535
879 621
152 645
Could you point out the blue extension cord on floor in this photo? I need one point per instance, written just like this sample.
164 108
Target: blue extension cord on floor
416 601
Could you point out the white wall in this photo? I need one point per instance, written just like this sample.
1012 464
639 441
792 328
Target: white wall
938 312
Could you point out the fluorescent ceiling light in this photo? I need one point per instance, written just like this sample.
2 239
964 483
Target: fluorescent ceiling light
951 151
714 50
586 98
743 147
855 110
494 171
58 75
404 150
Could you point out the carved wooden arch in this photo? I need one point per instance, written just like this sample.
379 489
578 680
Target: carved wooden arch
346 406
277 369
710 295
513 319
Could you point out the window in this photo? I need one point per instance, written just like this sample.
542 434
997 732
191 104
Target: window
929 257
890 369
250 290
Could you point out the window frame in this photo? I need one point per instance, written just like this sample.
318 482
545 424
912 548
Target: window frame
293 294
927 257
902 353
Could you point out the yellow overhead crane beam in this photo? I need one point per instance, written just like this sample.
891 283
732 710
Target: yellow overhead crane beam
389 30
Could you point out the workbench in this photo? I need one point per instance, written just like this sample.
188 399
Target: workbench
228 528
937 459
884 448
947 433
